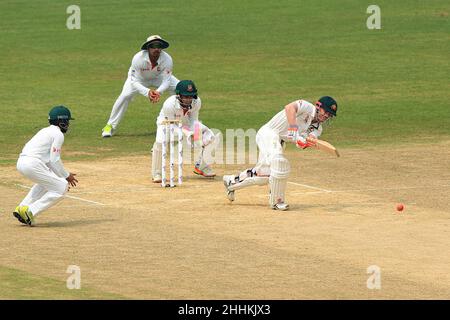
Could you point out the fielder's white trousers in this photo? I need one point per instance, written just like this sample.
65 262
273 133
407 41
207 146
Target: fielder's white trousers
48 190
269 145
126 96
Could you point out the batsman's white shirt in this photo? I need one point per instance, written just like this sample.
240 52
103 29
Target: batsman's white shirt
269 137
306 112
142 74
46 146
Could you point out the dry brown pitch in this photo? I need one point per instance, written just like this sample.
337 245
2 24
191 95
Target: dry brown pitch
141 241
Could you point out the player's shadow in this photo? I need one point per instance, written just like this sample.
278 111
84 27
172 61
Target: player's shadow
72 223
312 208
196 177
127 135
294 208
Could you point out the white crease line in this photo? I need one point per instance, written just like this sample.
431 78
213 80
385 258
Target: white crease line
310 187
364 190
71 197
313 192
392 188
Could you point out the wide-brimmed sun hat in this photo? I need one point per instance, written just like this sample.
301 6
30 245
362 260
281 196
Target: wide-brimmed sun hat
156 41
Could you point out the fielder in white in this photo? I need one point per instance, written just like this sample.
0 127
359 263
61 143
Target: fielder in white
40 161
184 106
150 67
301 123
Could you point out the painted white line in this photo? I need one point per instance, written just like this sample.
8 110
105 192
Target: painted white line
364 190
310 187
71 197
392 188
311 192
117 191
85 200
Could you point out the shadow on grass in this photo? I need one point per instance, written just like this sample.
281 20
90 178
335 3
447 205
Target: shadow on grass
131 134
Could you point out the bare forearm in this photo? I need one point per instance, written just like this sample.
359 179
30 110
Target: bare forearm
291 113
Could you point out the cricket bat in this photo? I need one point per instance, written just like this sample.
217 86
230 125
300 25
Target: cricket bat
327 147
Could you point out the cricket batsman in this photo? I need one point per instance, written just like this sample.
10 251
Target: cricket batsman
185 106
300 123
40 161
150 67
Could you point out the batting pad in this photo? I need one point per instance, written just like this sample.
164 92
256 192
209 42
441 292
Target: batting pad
279 173
250 181
156 159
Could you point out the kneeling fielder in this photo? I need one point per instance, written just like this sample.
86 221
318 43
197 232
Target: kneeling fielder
301 123
184 106
40 161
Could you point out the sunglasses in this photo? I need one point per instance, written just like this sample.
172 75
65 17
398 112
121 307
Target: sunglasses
155 45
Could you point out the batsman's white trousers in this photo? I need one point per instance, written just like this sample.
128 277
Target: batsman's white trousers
269 145
126 96
48 190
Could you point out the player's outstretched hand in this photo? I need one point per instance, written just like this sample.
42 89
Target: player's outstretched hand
154 96
72 180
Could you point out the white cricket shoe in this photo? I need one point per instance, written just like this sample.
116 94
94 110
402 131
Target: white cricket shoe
204 170
157 178
107 131
227 181
281 206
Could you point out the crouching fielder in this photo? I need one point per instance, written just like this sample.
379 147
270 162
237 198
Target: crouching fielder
301 123
185 106
40 161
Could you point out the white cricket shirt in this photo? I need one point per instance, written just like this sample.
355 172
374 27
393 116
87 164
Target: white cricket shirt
305 114
142 73
46 146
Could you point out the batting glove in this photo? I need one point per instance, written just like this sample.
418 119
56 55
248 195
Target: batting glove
292 134
303 143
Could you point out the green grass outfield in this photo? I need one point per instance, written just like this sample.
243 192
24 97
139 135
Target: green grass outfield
248 59
18 285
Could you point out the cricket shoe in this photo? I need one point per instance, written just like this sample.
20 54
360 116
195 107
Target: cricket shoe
24 215
107 131
281 206
157 178
228 181
17 215
205 171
